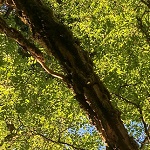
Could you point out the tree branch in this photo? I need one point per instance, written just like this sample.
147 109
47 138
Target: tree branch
145 140
28 46
140 112
126 100
141 26
145 125
78 67
126 85
33 132
146 3
57 142
143 29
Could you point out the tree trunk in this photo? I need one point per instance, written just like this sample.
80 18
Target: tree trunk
89 91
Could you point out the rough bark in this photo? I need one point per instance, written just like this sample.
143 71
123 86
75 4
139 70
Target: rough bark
89 91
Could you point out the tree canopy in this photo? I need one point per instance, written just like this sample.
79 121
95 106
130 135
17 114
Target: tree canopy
74 74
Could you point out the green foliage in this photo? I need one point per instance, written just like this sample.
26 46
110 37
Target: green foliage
44 111
41 108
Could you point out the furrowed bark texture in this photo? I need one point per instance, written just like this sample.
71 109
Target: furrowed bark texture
89 91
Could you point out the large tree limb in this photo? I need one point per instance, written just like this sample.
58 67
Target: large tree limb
92 95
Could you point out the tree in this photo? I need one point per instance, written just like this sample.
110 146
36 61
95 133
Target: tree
48 37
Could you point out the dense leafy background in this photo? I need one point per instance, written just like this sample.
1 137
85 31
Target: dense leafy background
43 110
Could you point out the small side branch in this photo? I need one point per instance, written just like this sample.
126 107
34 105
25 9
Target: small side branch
28 46
144 28
126 100
147 3
141 26
141 115
57 142
29 132
146 140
